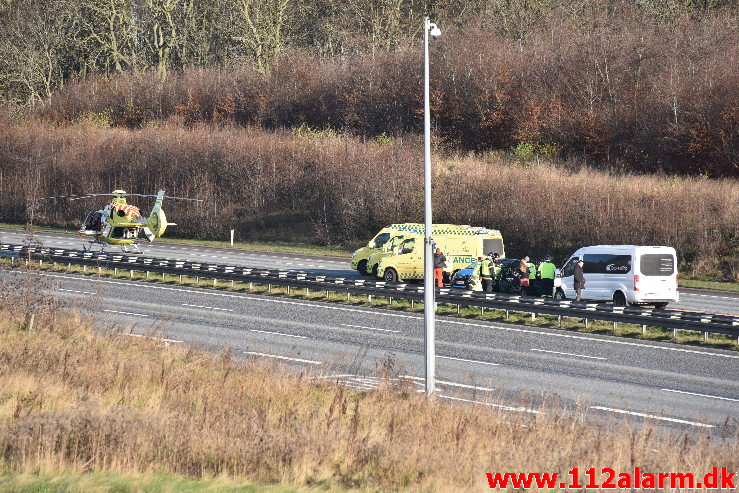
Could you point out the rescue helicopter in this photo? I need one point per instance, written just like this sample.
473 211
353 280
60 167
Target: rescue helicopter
119 223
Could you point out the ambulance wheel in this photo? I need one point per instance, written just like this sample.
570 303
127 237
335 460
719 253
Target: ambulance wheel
391 275
619 299
362 267
374 270
559 294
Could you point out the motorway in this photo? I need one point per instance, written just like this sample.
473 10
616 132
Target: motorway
696 300
514 367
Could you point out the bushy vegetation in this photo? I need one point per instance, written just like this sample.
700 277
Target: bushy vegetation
326 188
74 401
634 85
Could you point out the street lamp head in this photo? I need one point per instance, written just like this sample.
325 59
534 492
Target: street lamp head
434 32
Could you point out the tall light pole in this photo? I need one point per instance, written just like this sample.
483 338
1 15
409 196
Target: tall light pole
429 306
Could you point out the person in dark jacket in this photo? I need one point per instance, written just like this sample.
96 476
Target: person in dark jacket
439 265
579 283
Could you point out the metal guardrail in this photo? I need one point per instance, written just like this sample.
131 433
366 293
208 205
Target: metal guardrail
669 319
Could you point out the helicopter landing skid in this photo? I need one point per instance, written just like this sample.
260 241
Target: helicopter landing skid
134 245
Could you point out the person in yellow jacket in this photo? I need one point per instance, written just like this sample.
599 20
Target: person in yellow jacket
486 270
546 273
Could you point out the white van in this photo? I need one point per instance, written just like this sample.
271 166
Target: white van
623 274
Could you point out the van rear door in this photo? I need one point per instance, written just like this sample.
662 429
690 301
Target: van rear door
657 274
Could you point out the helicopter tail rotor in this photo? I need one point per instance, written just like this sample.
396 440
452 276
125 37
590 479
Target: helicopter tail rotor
157 223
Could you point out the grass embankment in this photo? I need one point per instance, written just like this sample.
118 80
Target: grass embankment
73 402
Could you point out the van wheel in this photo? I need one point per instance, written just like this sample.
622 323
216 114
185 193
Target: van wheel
362 267
374 270
619 299
391 275
660 306
559 294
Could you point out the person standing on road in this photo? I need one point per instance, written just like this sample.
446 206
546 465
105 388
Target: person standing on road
439 265
533 285
579 283
523 271
486 273
546 276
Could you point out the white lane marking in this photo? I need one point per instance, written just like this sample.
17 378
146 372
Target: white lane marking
74 291
453 384
570 336
155 338
499 406
207 307
643 415
567 354
396 315
701 395
709 296
278 333
126 313
309 361
370 328
332 376
468 360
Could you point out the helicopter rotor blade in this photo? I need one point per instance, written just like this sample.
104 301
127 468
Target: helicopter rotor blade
90 195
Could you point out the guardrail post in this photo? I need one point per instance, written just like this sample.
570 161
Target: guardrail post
69 265
327 294
413 304
674 333
288 290
214 282
251 286
643 329
100 270
533 316
705 336
147 274
507 315
269 288
164 277
348 296
115 271
232 283
459 309
615 325
180 277
307 292
131 272
84 268
369 299
390 300
587 323
559 320
482 311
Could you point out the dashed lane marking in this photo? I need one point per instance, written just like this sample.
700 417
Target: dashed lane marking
568 354
701 395
370 328
468 360
173 341
126 313
278 333
651 416
498 406
275 356
207 307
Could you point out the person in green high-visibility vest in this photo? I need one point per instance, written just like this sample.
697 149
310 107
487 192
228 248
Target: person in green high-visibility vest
546 273
533 284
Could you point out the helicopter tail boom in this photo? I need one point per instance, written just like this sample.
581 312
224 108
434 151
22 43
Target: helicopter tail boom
157 223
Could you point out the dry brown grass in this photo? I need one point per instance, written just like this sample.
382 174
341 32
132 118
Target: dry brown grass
319 187
71 400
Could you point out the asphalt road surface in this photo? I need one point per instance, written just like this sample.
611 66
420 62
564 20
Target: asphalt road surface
519 368
696 300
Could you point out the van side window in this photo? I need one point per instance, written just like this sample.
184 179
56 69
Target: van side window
607 263
657 264
569 269
407 246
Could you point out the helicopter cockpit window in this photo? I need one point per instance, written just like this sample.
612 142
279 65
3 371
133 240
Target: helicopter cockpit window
93 222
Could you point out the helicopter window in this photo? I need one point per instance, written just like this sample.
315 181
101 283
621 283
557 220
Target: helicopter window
121 213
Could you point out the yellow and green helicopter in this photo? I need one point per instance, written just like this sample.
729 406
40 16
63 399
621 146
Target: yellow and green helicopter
119 223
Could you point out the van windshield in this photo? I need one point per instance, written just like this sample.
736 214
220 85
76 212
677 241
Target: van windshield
657 264
379 240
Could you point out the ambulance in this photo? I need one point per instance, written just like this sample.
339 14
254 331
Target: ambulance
360 257
461 247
